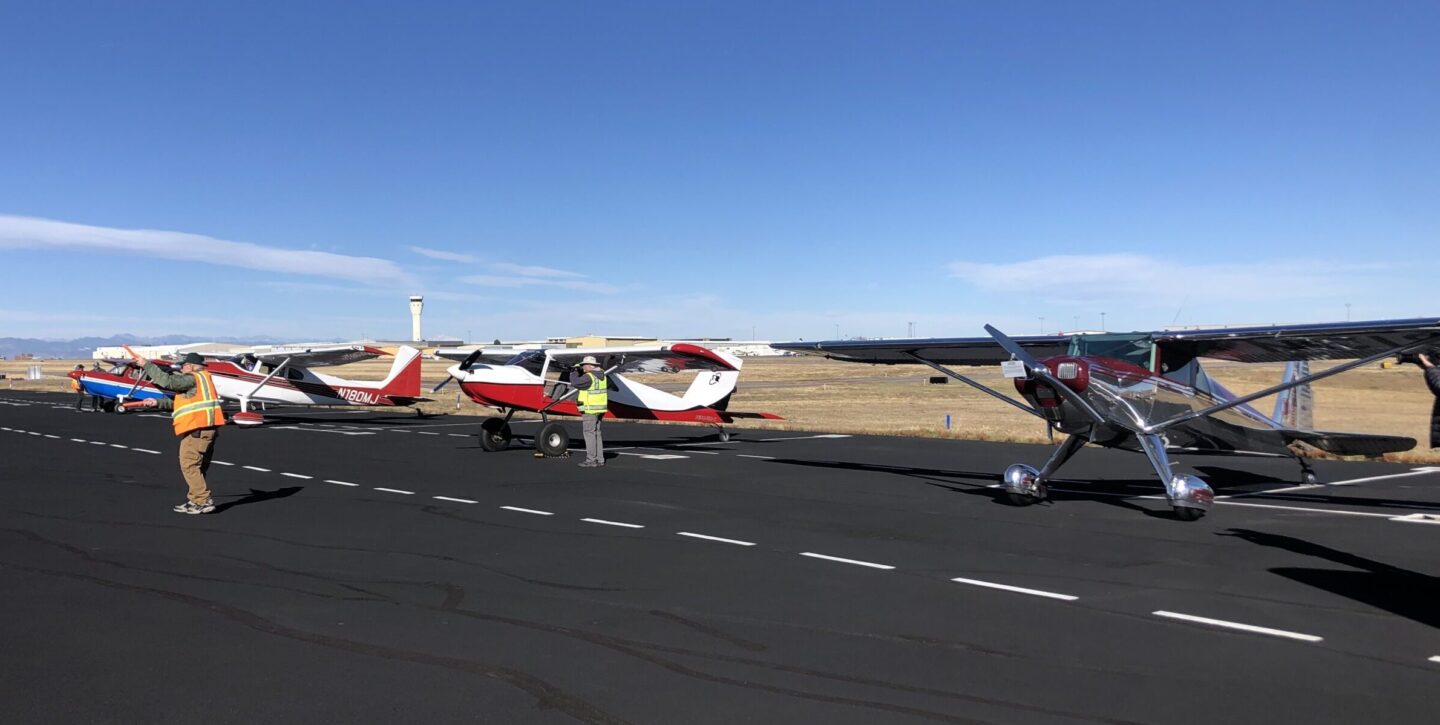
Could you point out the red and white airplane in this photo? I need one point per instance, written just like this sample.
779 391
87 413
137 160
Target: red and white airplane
282 376
537 381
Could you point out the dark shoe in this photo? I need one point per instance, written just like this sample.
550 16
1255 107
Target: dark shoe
188 507
590 464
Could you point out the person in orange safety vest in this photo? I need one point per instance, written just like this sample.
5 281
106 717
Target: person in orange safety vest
197 417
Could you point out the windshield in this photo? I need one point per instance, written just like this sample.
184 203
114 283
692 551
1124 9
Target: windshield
1134 349
531 360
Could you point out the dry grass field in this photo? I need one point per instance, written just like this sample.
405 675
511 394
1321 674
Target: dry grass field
818 394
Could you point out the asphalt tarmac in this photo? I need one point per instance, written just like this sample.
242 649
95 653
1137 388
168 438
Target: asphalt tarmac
370 567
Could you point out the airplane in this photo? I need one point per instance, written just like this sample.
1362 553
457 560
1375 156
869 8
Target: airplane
536 381
282 376
1146 391
119 382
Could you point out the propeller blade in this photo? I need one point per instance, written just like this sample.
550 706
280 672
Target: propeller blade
1038 370
464 366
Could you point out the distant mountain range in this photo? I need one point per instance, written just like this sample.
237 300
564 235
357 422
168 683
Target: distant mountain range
82 347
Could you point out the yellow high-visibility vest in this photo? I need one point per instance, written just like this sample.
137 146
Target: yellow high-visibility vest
199 407
594 399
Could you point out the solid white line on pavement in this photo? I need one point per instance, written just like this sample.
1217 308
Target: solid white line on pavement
296 475
613 523
1308 486
456 500
1019 590
341 483
762 458
1239 626
856 562
527 511
737 542
395 490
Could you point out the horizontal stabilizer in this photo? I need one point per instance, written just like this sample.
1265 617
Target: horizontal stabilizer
730 416
1351 444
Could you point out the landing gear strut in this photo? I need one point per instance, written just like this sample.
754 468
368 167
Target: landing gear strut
1024 485
1189 497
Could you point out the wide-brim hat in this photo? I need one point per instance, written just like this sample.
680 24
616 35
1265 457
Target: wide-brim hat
590 360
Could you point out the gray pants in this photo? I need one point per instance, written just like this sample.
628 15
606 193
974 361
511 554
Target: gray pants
594 442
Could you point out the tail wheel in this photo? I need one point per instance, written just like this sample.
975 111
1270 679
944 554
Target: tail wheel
494 434
552 441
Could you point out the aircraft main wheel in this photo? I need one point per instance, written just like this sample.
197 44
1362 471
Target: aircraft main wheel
553 441
1023 499
1187 513
1309 478
494 434
724 436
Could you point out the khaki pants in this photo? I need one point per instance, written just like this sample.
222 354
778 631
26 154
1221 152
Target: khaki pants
196 449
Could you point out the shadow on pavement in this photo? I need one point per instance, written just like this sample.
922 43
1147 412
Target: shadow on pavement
256 496
1406 593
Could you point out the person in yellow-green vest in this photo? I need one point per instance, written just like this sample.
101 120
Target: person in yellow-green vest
593 401
196 415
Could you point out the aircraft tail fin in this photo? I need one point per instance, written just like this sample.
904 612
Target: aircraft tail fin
1295 408
404 378
712 388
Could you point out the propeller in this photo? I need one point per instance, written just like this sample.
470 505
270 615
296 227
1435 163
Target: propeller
464 365
1038 370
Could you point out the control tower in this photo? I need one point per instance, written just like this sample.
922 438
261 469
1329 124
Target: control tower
417 303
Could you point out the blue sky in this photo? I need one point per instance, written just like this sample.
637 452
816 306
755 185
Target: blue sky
679 169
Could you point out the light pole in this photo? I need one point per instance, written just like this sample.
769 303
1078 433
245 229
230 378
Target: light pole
1102 321
910 329
752 333
837 331
1347 311
1042 325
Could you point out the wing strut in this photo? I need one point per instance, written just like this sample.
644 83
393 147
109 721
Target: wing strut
982 388
1177 420
245 399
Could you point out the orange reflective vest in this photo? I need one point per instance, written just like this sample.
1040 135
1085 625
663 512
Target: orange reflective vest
199 407
75 385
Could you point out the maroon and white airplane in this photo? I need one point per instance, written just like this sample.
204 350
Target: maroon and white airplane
282 376
536 381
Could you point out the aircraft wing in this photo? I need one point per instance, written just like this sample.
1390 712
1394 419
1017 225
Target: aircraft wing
674 358
1283 343
941 350
488 355
313 357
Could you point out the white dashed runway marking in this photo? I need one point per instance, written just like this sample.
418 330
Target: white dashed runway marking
527 511
256 468
621 524
395 490
1018 590
297 475
456 500
722 540
1238 626
341 483
856 562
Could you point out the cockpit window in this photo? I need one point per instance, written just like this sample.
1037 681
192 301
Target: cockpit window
531 360
1134 349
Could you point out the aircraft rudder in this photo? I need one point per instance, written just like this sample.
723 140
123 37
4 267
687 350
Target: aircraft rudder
404 378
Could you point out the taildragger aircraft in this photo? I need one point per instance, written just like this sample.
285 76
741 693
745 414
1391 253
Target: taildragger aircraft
282 376
1146 391
537 381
